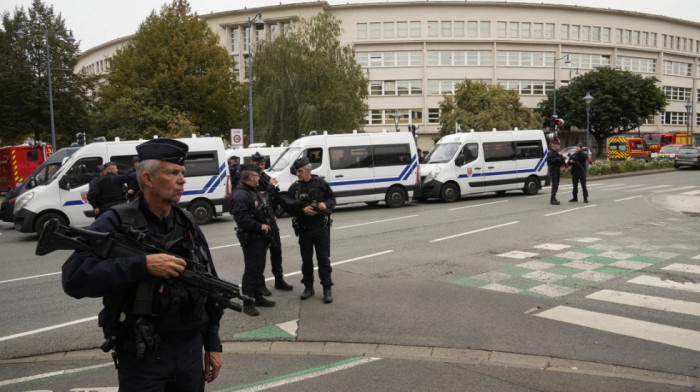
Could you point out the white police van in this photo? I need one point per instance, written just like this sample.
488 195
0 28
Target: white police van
64 196
270 153
359 167
471 162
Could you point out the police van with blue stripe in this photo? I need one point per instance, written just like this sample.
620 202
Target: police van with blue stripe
64 196
360 167
498 161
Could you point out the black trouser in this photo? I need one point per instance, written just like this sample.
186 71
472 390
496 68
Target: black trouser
554 175
253 266
276 253
176 365
319 239
575 178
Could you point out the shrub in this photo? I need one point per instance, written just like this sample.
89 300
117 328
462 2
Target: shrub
600 168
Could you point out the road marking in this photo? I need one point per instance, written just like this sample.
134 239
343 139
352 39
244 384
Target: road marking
569 210
647 301
518 254
474 231
666 284
651 187
379 221
302 375
58 373
691 193
630 198
693 269
19 335
478 205
679 337
338 263
29 277
676 189
228 246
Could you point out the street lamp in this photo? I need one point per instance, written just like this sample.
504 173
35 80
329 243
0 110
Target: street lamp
48 73
554 85
258 22
639 127
688 107
396 117
588 98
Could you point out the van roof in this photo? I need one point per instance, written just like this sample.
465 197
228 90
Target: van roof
464 136
373 136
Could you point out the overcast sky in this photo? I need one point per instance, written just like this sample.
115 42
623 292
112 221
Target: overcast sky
97 21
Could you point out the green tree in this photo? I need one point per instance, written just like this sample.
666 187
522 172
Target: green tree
24 96
306 80
171 78
482 107
619 98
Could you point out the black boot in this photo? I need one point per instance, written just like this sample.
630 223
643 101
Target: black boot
585 200
327 295
554 201
265 291
574 200
308 292
249 309
280 284
264 302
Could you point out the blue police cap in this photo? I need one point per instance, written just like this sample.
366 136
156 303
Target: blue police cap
108 164
135 158
169 150
257 157
250 167
301 162
100 167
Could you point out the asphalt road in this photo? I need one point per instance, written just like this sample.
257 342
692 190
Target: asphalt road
494 292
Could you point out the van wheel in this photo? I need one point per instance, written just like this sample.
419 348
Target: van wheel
531 187
395 197
202 211
449 193
45 218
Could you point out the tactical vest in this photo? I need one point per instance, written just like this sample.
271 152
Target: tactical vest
175 309
309 192
111 189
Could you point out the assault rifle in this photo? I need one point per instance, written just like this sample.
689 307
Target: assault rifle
291 204
106 245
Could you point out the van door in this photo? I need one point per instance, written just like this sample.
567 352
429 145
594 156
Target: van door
529 157
393 163
73 188
351 168
501 167
470 169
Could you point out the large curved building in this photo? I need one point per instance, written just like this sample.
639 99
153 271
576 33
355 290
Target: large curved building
414 52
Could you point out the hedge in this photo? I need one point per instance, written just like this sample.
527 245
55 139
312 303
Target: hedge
599 168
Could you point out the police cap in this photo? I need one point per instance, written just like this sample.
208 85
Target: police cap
257 157
108 164
135 158
301 162
250 167
234 158
169 150
580 145
556 142
101 167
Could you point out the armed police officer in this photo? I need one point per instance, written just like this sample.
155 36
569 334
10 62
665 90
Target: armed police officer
94 188
132 180
111 189
268 185
158 334
578 162
310 201
234 170
254 216
554 164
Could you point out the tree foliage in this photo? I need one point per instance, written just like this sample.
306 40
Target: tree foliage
482 107
171 78
24 96
619 99
306 80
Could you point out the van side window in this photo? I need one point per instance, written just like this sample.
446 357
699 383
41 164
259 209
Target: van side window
80 173
315 156
353 157
124 162
201 164
498 151
32 156
528 149
392 154
470 151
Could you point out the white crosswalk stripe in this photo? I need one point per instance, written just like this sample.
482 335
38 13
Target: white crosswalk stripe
674 190
691 193
693 269
655 281
647 301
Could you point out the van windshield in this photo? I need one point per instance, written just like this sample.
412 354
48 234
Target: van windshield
285 159
442 153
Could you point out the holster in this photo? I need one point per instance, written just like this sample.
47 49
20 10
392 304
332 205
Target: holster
243 237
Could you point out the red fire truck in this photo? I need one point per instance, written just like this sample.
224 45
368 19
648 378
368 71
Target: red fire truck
655 141
18 162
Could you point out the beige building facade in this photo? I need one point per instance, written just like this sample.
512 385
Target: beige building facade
415 52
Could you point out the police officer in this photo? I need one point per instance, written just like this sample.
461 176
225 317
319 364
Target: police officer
111 190
159 347
268 185
94 189
554 164
253 214
234 170
310 200
131 180
578 162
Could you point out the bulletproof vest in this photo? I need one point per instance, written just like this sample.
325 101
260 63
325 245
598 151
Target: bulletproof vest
309 192
262 212
111 188
178 308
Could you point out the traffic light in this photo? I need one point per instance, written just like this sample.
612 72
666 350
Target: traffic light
558 122
81 138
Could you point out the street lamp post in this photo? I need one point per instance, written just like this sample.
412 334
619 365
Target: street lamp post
258 21
554 85
396 117
48 73
688 107
588 98
639 127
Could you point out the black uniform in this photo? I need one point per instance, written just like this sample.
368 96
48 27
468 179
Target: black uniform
111 191
313 231
93 191
554 164
182 318
578 162
272 193
132 183
235 173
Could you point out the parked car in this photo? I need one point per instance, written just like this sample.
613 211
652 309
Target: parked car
568 151
687 156
668 151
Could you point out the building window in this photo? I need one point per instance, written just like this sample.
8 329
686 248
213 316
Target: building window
618 36
459 57
513 28
528 87
537 30
645 39
446 29
606 34
525 30
565 31
549 30
433 116
677 93
635 37
375 30
259 34
389 58
595 34
459 29
677 68
636 64
415 29
388 29
586 33
235 40
402 29
432 28
472 29
586 60
485 29
652 39
274 32
501 29
361 30
674 118
575 30
524 59
627 37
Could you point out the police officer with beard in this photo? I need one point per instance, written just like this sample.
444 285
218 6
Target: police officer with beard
254 216
310 201
554 164
157 335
